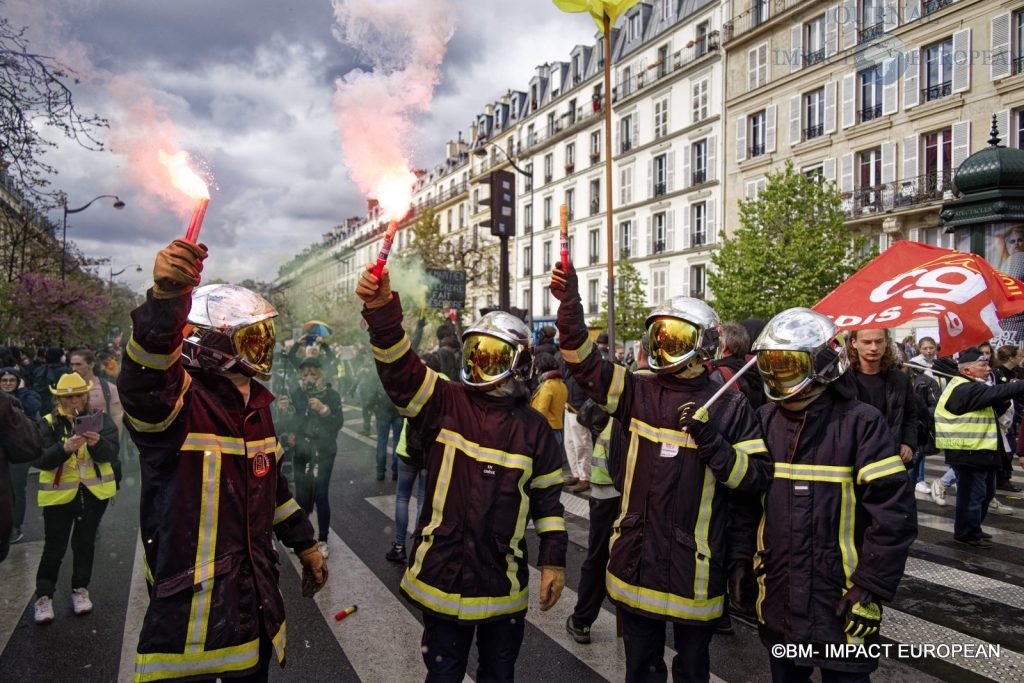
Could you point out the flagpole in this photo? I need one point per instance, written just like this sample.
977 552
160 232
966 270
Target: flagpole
608 177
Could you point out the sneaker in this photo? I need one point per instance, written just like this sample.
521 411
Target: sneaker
44 610
938 492
984 534
396 554
997 508
16 535
1008 486
923 487
80 601
581 634
978 542
324 550
581 486
570 482
380 476
724 626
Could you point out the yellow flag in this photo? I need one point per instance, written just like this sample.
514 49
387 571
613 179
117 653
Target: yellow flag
597 8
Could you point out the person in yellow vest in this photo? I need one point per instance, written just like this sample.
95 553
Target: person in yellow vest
76 481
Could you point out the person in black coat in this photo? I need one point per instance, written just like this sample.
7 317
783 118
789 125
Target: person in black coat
881 384
20 442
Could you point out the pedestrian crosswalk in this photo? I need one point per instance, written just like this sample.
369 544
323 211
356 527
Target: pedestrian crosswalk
950 595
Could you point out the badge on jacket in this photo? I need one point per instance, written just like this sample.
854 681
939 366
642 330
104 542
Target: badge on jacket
260 464
489 470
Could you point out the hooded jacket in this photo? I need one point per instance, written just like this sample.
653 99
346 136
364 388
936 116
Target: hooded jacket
20 441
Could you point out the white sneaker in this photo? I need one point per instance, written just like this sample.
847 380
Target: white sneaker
324 550
923 487
938 492
44 610
80 601
998 508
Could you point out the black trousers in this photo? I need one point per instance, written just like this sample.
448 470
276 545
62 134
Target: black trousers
446 648
592 589
78 520
644 639
785 671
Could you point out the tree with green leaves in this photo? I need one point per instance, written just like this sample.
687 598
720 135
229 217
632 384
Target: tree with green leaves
631 309
791 249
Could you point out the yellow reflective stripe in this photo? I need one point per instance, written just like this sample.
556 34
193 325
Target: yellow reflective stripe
545 524
544 481
437 501
390 355
484 454
464 608
634 445
883 468
700 534
421 396
758 561
148 359
847 520
742 462
285 510
662 434
199 613
665 604
615 389
212 442
578 355
267 445
837 474
280 640
158 666
153 427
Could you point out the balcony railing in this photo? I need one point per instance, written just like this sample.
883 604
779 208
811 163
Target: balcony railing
757 14
680 59
937 92
700 177
660 189
699 238
930 6
528 228
547 177
595 158
900 194
870 112
1018 64
595 207
697 292
870 32
625 145
527 271
658 246
815 131
755 150
814 57
594 258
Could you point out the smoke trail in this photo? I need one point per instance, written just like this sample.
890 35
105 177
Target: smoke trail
404 44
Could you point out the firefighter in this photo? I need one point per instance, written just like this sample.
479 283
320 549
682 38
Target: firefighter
493 465
839 515
213 495
668 544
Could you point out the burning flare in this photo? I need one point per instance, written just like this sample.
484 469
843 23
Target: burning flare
189 182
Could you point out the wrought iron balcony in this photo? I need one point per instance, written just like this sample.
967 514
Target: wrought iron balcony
936 92
815 131
870 112
870 32
755 150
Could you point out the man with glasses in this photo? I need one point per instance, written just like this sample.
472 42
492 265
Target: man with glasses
669 556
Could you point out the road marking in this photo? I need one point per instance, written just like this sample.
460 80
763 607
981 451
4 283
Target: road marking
18 577
997 591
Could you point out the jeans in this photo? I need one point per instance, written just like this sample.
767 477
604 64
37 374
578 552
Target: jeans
446 643
975 489
77 519
312 488
19 482
918 467
644 640
407 475
949 478
592 590
394 426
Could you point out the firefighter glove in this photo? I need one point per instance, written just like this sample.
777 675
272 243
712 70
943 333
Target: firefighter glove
695 421
863 615
738 577
565 286
177 269
374 291
552 581
314 570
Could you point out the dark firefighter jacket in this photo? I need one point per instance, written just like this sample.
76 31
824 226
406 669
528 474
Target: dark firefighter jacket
668 546
212 499
494 464
840 511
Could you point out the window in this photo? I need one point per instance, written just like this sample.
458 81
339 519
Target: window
938 62
661 118
662 60
870 93
757 65
667 7
700 100
570 116
527 261
869 177
1019 119
756 134
462 215
659 285
660 234
570 158
626 133
816 172
814 41
814 114
547 212
546 255
529 178
592 286
872 20
531 135
758 15
633 27
595 196
701 40
595 146
594 241
938 162
549 167
570 203
626 237
660 174
476 202
1018 59
699 161
626 82
626 185
528 218
699 224
552 129
577 69
698 281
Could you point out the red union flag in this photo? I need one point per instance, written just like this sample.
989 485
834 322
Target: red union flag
909 281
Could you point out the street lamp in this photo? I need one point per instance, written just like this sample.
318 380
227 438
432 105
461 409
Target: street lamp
118 204
110 280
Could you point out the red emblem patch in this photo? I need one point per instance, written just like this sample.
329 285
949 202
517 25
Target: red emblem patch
260 464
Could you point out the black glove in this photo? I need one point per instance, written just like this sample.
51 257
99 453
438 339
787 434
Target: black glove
565 286
739 576
862 614
696 421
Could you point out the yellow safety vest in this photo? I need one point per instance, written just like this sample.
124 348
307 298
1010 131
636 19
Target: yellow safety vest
599 465
59 486
977 430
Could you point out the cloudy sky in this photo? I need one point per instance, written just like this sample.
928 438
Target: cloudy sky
249 87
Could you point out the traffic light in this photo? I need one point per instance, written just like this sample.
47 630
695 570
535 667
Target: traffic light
503 204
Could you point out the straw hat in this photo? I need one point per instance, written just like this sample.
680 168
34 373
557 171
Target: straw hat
71 384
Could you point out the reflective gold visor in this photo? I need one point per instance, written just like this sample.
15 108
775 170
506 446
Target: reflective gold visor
255 343
671 340
784 372
486 359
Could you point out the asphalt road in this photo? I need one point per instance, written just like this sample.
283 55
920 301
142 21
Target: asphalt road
962 609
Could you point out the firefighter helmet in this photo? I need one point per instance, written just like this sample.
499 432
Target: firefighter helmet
797 347
230 328
681 331
495 348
